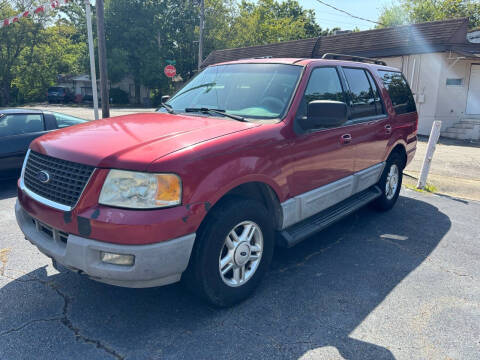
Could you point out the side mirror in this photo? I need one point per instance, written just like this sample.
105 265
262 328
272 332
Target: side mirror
165 98
324 114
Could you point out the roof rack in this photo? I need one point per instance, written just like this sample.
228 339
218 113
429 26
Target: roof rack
334 56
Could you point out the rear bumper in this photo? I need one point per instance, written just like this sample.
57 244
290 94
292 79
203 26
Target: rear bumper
155 264
56 98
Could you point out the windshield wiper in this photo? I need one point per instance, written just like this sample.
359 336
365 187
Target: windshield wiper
168 108
216 111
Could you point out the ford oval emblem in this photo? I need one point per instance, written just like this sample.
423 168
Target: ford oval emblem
43 176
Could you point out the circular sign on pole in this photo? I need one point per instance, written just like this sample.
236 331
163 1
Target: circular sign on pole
170 71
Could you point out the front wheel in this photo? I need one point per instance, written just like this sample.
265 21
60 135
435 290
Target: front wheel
232 253
390 183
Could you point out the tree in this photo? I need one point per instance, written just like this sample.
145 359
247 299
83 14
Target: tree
143 34
34 51
417 11
220 16
271 21
13 40
52 53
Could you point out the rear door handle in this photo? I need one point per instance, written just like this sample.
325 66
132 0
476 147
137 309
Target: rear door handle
346 139
388 129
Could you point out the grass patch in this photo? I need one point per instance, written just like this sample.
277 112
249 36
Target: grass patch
428 188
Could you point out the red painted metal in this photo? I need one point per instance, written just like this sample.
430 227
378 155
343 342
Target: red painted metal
212 156
170 71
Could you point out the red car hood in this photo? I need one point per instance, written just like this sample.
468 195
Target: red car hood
133 141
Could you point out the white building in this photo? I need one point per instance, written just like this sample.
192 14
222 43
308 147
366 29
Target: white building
440 59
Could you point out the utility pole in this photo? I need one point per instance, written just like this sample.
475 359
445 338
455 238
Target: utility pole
200 40
102 59
93 73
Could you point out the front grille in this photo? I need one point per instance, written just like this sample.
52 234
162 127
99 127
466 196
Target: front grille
66 179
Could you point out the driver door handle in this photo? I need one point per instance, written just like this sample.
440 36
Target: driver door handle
345 139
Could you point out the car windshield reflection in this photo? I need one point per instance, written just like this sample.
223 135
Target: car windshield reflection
253 91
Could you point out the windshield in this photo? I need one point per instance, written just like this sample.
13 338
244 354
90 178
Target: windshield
258 91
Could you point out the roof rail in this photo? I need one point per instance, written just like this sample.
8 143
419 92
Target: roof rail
334 56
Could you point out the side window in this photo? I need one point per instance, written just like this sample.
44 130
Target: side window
66 120
361 94
17 124
376 95
324 84
399 91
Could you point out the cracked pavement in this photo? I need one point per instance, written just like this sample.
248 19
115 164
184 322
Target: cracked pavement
398 285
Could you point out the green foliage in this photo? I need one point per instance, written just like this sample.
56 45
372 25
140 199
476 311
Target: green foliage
416 11
52 53
34 52
141 36
269 21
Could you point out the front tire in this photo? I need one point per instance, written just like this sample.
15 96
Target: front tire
390 183
232 252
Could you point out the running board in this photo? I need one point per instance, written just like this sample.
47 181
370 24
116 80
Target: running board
298 232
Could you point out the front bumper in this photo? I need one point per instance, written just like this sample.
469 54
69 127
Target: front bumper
155 264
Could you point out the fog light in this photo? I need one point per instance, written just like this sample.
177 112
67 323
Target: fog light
117 259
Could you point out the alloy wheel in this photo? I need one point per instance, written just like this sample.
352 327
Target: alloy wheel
241 254
391 184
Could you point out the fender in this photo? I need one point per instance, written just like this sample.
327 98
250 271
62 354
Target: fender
231 175
392 144
400 133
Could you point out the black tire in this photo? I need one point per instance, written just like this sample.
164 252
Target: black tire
202 276
386 201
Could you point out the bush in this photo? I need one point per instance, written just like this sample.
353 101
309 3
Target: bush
156 97
118 96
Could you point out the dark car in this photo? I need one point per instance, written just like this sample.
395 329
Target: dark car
59 94
18 127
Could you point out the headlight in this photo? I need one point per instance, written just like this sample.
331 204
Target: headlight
139 190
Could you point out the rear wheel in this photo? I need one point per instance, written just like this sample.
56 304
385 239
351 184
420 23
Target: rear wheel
232 252
390 183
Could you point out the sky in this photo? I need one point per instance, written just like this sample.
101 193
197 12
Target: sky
329 18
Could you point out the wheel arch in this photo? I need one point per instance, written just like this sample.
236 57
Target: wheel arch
255 190
400 149
397 145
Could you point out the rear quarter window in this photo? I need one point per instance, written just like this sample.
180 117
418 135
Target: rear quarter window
399 91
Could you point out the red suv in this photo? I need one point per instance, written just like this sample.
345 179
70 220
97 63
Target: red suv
249 154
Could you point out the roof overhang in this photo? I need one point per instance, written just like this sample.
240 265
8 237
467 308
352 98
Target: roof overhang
471 52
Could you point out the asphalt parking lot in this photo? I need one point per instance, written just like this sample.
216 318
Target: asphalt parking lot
398 285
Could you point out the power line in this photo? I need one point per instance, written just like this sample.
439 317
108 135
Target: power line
349 14
335 22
